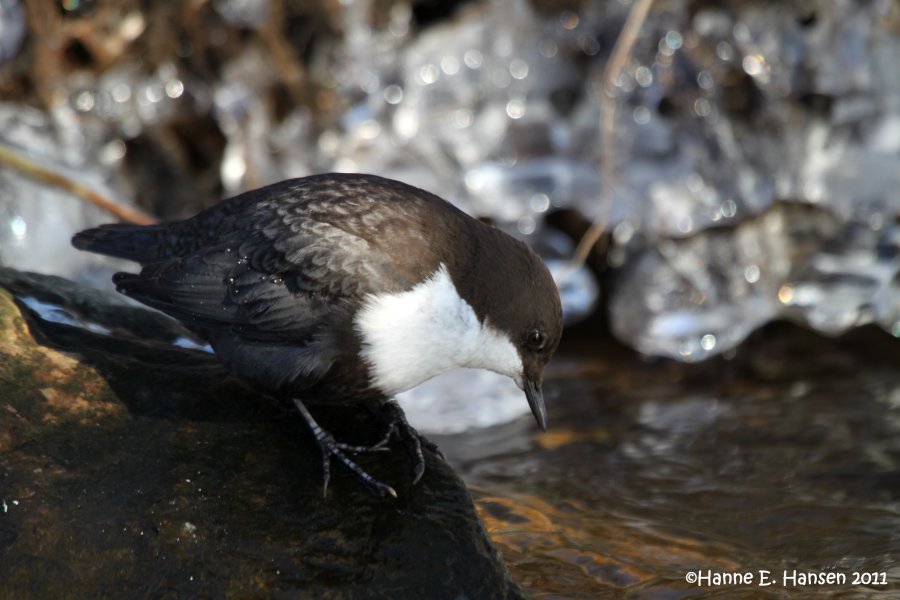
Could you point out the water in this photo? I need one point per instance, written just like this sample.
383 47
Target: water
776 460
784 456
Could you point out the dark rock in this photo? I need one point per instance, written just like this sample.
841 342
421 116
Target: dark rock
134 468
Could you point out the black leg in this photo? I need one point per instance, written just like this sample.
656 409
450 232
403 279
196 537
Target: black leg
330 447
393 415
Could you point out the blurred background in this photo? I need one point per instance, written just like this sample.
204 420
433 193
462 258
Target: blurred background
742 164
754 161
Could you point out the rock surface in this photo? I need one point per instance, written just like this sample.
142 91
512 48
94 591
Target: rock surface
130 466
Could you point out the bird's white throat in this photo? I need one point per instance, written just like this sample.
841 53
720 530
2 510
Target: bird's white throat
409 337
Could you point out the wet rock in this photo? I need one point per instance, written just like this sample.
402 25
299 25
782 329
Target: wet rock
130 465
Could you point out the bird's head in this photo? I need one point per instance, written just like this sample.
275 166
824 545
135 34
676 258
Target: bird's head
535 348
505 320
525 311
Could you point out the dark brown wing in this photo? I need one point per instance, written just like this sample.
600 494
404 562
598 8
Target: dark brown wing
281 269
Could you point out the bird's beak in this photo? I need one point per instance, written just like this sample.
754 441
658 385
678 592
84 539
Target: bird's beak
536 402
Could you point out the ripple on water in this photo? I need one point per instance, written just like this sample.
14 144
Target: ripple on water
648 473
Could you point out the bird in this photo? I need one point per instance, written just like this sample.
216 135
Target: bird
344 288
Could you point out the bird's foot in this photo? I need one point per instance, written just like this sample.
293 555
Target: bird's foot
332 448
393 415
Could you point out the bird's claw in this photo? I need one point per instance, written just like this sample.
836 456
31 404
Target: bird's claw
397 425
332 448
412 439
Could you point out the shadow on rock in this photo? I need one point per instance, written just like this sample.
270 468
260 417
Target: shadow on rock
131 466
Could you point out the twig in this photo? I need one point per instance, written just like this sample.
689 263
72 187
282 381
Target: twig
17 160
606 93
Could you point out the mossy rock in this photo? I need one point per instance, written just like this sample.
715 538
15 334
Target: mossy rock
135 468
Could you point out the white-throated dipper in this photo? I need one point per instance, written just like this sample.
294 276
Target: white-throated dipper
343 288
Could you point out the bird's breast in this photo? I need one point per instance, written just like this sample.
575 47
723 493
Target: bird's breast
409 337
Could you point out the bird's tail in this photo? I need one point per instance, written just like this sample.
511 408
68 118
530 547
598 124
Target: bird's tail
140 243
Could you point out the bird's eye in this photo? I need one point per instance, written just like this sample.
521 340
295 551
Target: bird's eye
536 339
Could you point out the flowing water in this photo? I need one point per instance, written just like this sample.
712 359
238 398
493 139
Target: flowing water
771 473
782 461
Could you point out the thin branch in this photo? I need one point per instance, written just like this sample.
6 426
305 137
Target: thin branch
606 93
17 160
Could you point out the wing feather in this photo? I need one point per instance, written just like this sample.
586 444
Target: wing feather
269 275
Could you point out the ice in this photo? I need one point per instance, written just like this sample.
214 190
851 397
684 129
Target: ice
692 297
850 284
127 98
509 194
243 13
789 104
57 314
755 151
37 220
12 28
444 404
578 289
